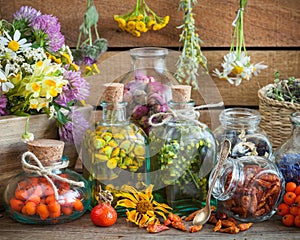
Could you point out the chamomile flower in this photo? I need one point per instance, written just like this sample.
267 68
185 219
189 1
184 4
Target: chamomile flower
5 84
15 44
237 66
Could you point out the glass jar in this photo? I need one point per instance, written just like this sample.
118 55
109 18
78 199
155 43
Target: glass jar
30 198
115 152
287 156
147 86
249 188
241 127
183 153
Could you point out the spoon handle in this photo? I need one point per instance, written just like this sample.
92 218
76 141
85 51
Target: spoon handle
225 149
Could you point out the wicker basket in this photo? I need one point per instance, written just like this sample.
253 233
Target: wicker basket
275 116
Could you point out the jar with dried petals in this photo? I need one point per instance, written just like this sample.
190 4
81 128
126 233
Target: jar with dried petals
249 188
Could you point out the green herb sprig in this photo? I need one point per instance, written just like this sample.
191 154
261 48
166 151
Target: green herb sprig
286 90
191 56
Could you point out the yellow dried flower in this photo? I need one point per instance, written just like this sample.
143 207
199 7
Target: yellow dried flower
140 20
144 209
141 26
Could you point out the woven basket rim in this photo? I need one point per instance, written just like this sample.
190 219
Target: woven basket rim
273 102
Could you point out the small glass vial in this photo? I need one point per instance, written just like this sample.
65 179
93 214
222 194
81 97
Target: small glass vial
183 152
241 127
249 188
46 192
287 156
115 151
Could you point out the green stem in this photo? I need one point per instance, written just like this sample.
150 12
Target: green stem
78 41
193 178
96 31
137 6
90 37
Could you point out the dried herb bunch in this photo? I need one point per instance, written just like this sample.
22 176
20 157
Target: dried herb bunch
287 90
191 56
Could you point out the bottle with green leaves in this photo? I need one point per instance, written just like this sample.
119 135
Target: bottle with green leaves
182 152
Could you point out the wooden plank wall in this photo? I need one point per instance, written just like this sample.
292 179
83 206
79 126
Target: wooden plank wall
272 33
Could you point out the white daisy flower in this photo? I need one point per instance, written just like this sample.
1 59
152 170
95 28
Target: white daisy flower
256 68
15 44
237 69
5 84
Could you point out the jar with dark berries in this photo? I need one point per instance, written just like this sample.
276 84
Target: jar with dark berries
241 127
287 156
249 188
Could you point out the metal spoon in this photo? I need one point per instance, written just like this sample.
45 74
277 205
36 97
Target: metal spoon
204 213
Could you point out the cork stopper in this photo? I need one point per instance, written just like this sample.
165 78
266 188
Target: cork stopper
181 93
113 92
48 151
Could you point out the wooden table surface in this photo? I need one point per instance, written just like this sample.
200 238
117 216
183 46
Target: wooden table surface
83 228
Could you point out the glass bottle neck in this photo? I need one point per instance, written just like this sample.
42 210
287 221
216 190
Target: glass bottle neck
183 108
114 113
240 118
295 119
148 58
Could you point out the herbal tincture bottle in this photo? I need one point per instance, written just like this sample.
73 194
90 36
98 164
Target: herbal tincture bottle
115 151
183 152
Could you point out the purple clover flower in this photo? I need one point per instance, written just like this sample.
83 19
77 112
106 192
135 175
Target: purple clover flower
73 130
76 89
3 103
88 61
49 25
27 14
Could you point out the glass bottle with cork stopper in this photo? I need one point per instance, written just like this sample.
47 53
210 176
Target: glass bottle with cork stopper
183 152
46 192
115 152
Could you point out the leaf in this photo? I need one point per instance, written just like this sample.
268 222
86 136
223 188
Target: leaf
91 17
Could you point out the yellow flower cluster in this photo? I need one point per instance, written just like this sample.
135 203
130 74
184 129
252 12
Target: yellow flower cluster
141 20
43 85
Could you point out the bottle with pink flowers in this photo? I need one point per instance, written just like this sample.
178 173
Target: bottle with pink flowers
147 86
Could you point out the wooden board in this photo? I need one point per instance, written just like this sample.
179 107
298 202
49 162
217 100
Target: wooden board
268 23
114 64
83 228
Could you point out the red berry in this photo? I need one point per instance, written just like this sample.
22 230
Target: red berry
283 209
103 215
288 220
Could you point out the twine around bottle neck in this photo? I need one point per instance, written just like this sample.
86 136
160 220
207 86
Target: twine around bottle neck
47 172
180 115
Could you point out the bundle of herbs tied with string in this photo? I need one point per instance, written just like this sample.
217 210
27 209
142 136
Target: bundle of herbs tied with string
277 101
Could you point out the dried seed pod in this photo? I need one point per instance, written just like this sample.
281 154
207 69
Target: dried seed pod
155 228
195 228
244 226
232 230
